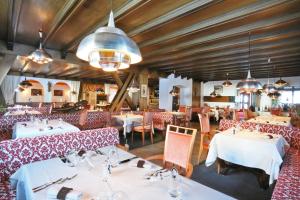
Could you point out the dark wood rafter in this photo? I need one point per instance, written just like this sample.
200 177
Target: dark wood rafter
13 21
63 16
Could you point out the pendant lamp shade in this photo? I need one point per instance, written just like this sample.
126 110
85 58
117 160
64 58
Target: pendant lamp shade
268 88
25 84
227 83
213 94
280 83
109 48
134 87
274 95
173 92
40 55
249 85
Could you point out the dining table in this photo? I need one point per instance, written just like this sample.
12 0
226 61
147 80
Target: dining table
127 180
22 112
39 127
272 119
128 119
249 148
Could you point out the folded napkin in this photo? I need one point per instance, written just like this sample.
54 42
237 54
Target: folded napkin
71 195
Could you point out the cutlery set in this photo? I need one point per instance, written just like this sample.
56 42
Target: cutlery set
58 181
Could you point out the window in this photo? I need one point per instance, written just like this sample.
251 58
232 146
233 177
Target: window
296 97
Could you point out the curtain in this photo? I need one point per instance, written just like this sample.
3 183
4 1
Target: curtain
8 86
75 86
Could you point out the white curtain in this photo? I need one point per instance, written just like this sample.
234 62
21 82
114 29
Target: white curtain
8 86
75 86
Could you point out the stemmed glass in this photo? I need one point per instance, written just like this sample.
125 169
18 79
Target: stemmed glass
113 156
174 184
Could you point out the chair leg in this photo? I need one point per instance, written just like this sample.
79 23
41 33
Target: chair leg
143 138
200 153
151 136
132 136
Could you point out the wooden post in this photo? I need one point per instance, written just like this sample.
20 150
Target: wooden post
143 80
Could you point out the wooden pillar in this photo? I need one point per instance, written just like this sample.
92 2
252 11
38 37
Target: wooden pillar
143 80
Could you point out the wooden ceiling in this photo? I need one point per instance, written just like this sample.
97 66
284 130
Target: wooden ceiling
203 39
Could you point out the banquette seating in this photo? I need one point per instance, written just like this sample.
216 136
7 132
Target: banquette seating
17 152
288 183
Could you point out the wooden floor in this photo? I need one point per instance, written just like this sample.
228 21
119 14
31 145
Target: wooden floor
158 148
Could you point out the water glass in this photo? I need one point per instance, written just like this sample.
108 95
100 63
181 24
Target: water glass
174 184
113 156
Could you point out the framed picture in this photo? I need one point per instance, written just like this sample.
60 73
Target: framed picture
218 89
58 93
144 90
36 92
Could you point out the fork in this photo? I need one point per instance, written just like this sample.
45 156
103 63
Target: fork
67 179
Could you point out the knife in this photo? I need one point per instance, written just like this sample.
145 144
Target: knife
127 160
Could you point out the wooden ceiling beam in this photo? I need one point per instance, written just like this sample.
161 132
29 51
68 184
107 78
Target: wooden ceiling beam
13 21
133 4
243 29
260 58
63 15
182 10
229 54
215 21
233 42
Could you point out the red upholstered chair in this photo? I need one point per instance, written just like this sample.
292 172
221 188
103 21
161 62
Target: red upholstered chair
161 120
184 138
182 108
145 127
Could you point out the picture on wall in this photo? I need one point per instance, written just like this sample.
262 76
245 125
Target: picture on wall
36 92
144 90
58 93
218 89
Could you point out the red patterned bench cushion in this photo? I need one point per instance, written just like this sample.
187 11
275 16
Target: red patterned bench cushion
160 119
291 134
15 153
288 183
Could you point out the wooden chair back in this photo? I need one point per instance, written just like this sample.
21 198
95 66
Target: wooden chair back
182 137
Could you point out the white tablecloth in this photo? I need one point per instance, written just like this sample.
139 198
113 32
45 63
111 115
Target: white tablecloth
32 129
125 177
250 149
272 119
22 112
127 120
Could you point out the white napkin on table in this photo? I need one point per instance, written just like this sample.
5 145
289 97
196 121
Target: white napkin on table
72 195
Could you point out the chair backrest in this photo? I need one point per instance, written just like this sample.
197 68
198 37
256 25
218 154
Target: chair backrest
50 109
83 117
179 137
40 104
204 123
188 113
147 118
182 108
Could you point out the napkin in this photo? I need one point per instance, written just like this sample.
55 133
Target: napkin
72 195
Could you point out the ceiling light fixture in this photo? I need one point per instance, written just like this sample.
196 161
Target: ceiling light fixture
109 48
227 83
40 55
268 87
280 83
174 92
25 84
134 87
249 85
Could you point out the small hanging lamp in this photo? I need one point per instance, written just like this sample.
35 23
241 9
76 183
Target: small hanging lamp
25 84
274 95
227 83
249 85
280 83
268 87
213 94
134 87
40 55
109 48
173 92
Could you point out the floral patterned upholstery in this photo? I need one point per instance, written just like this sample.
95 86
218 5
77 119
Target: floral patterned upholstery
288 183
17 152
161 119
97 120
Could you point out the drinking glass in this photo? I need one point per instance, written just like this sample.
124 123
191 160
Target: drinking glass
73 157
174 184
113 156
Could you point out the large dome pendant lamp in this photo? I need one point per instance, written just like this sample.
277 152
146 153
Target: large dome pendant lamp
40 55
109 48
249 85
